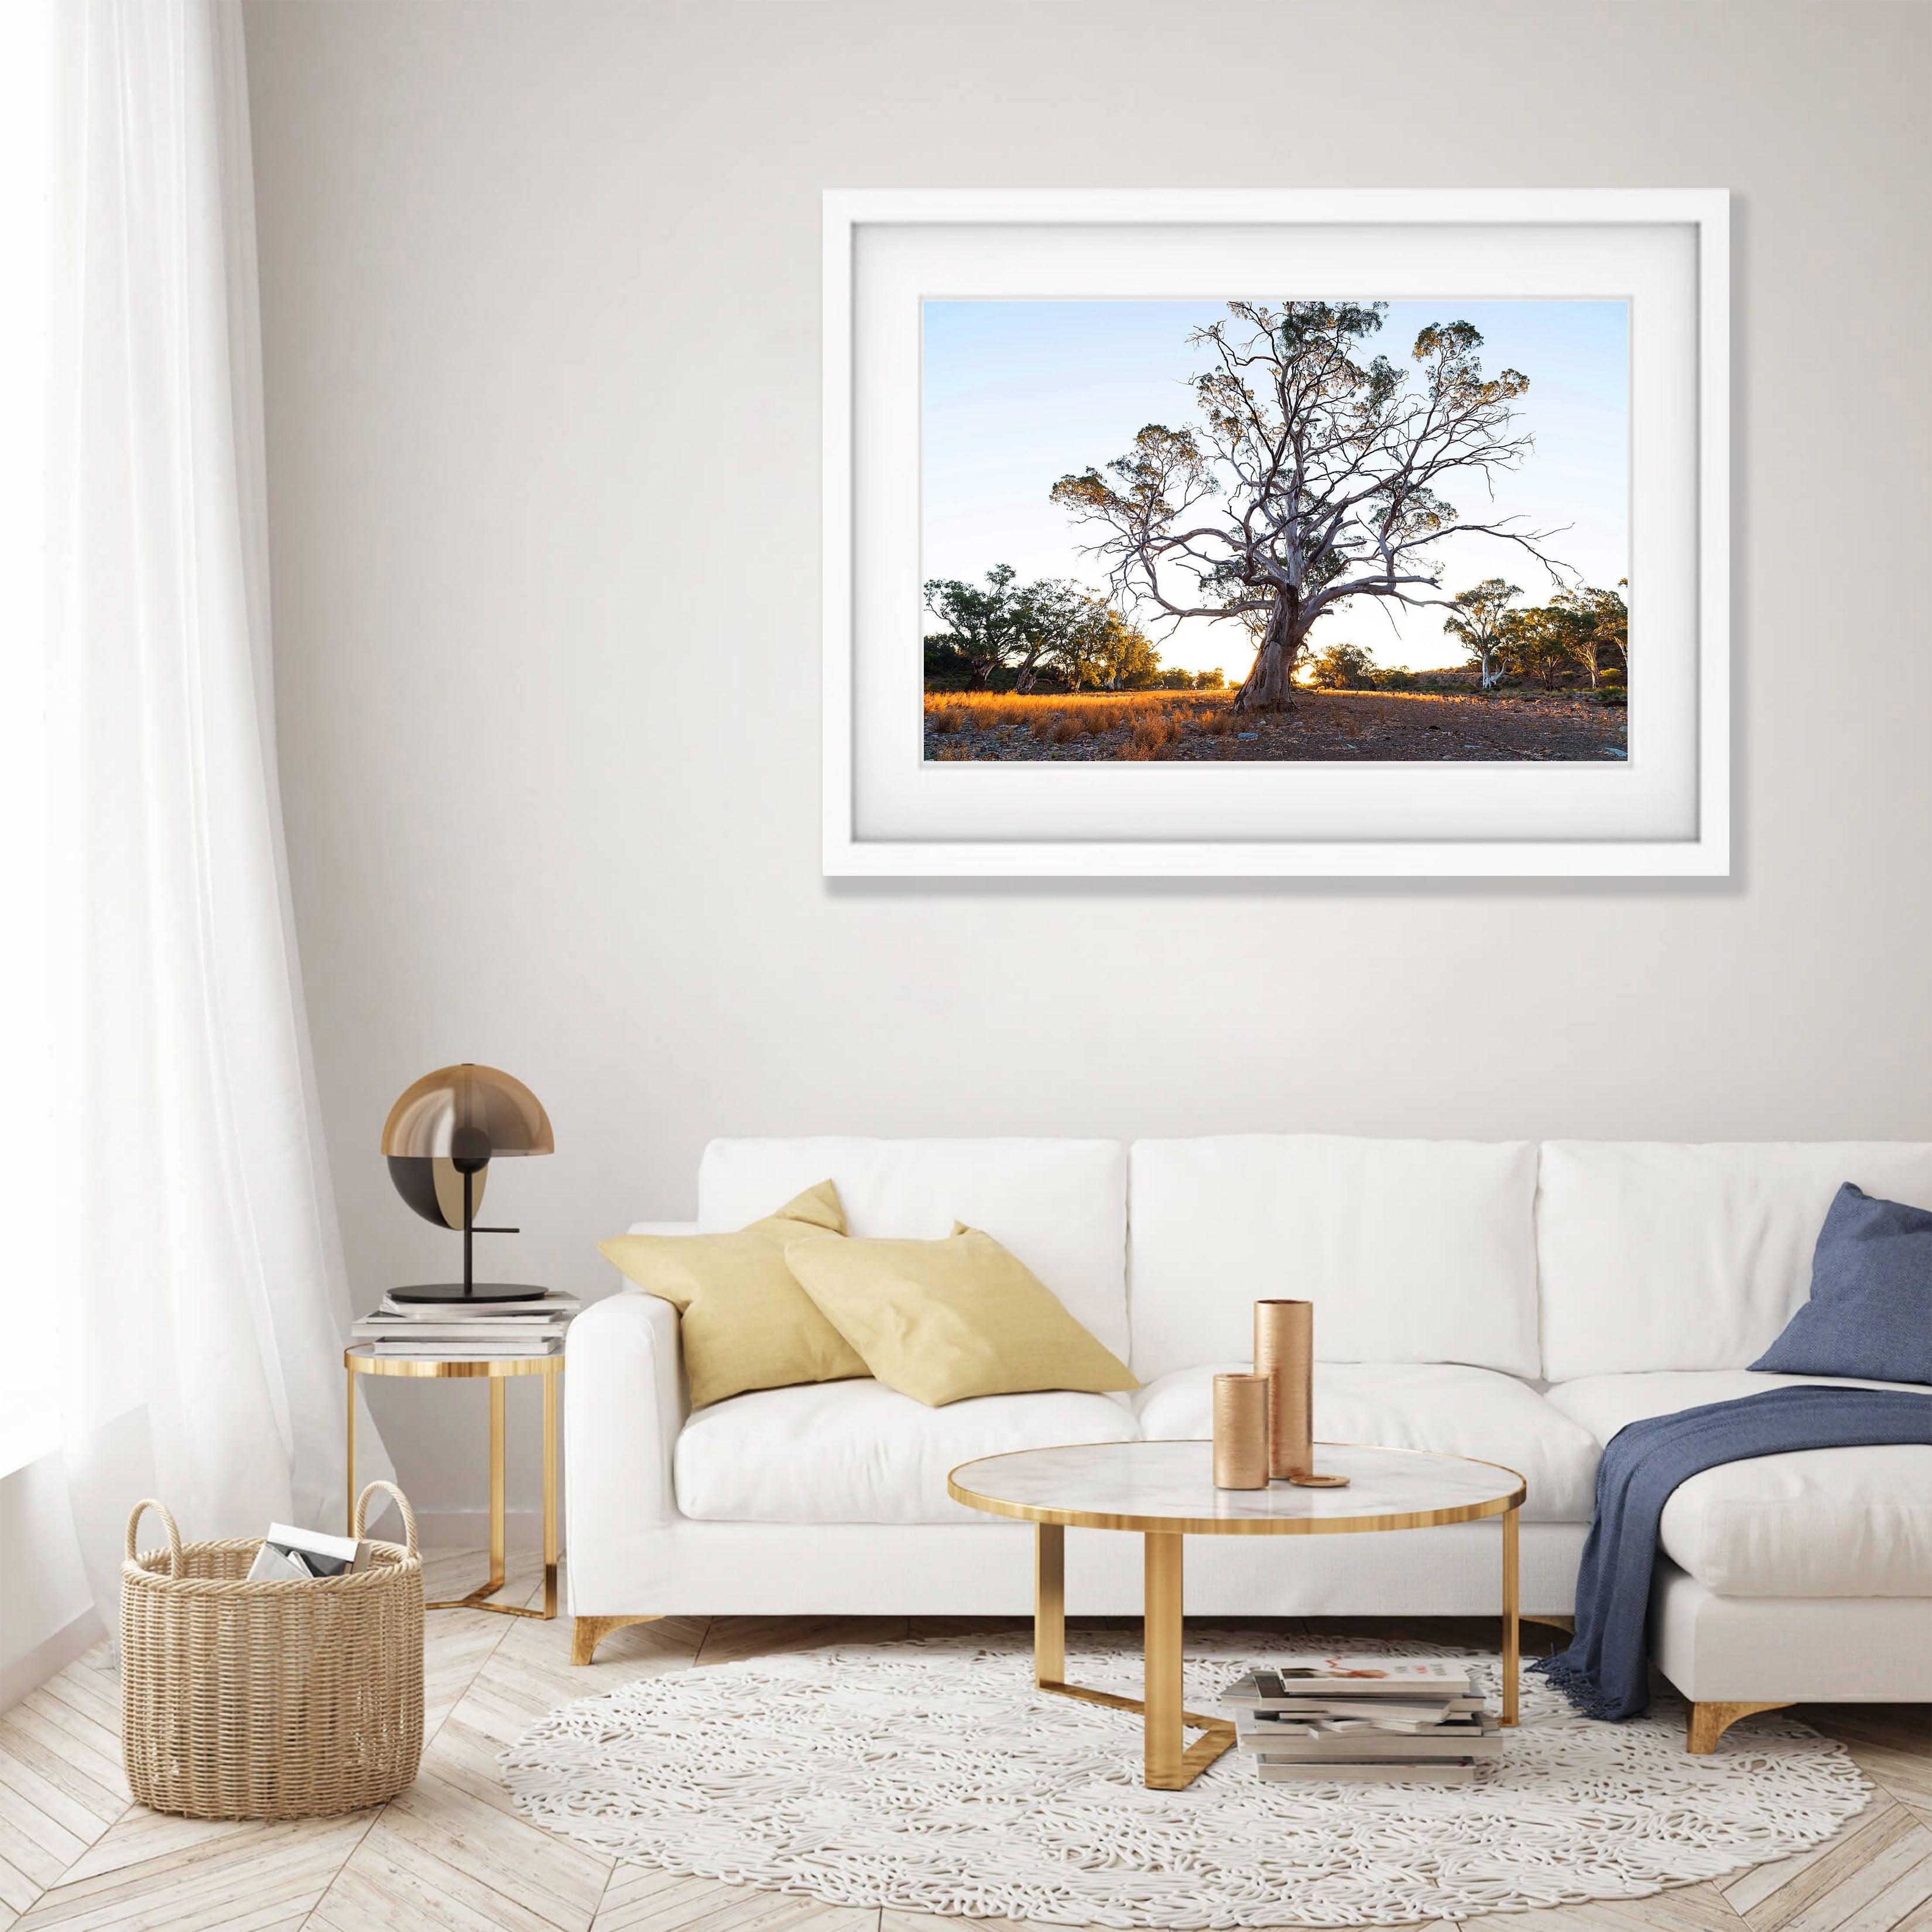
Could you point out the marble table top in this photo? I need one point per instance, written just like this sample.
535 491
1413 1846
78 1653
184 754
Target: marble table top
1169 1487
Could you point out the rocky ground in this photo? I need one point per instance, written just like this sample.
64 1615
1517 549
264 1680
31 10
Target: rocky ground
1343 727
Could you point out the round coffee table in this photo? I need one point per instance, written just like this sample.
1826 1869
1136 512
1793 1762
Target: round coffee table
1165 1490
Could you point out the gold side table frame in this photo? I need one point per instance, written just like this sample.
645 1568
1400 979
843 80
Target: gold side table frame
363 1361
1171 1763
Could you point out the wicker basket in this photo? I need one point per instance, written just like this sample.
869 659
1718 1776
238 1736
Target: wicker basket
269 1700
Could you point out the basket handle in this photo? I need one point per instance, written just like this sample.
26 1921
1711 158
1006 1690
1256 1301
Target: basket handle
167 1523
402 1503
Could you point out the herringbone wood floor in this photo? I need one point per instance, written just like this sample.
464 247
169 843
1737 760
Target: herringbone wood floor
451 1852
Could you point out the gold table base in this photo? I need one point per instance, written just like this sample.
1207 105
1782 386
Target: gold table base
1171 1763
361 1361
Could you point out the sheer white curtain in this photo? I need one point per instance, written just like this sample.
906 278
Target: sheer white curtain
201 1267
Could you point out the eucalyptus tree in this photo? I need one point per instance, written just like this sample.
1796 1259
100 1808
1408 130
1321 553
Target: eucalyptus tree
1312 476
1479 623
1599 620
1086 640
1545 642
986 625
1062 628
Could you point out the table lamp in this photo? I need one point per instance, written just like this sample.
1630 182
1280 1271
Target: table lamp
439 1140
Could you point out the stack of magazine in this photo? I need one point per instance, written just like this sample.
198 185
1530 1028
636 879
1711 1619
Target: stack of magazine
1419 1719
469 1331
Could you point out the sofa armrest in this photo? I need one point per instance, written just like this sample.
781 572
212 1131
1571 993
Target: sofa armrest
624 1406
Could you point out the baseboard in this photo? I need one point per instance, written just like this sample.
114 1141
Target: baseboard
51 1655
470 1529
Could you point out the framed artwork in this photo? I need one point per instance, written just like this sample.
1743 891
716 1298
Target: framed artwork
1261 532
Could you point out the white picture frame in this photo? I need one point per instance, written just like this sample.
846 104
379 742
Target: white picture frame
1663 812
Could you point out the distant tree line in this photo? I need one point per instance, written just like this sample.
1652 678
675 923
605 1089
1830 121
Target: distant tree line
1579 634
1583 632
1051 629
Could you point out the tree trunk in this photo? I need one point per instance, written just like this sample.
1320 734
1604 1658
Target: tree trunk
1491 672
1269 686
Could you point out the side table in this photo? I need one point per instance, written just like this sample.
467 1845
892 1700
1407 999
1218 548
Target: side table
363 1360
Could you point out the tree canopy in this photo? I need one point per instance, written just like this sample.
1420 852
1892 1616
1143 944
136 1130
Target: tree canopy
1049 626
1480 621
1312 476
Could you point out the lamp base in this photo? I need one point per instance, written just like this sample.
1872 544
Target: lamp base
453 1292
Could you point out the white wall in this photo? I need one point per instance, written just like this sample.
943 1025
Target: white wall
47 1614
540 286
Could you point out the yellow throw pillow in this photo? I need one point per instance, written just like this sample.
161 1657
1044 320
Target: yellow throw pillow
940 1321
744 1322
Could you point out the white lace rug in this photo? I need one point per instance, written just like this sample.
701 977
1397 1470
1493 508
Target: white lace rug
931 1776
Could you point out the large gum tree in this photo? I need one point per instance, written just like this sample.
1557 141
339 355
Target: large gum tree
1314 476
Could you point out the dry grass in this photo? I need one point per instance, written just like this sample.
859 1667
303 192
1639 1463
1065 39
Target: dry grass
1193 726
1150 735
1130 724
1097 712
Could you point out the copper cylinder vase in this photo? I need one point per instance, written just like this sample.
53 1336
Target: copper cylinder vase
1285 1355
1241 1431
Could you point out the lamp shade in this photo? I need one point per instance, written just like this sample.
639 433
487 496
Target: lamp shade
466 1114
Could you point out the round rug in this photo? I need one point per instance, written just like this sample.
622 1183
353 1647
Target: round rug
931 1776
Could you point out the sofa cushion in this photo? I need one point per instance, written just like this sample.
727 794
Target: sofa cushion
1404 1405
743 1321
1870 1308
1812 1523
1657 1256
944 1322
859 1452
1411 1251
1060 1205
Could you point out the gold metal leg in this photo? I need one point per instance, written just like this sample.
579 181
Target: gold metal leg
1169 1766
499 1486
499 1515
348 1499
550 1496
1160 1646
1512 1628
1049 1606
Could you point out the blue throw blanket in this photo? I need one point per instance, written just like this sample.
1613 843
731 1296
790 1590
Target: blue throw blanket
1603 1673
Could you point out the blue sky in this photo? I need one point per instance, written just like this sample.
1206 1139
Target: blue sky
1017 393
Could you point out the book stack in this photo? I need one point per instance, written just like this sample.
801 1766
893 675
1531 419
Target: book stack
1417 1721
289 1555
472 1332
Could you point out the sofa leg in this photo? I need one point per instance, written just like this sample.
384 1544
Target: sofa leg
1709 1722
589 1632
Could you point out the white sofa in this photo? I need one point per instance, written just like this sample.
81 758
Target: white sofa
1506 1300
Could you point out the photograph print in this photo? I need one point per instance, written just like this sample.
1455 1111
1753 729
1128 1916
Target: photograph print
1349 531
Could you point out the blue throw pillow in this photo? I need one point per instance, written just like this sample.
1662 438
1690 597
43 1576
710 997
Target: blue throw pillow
1870 1310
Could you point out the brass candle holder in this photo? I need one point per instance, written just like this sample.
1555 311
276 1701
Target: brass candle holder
1285 1355
1241 1431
